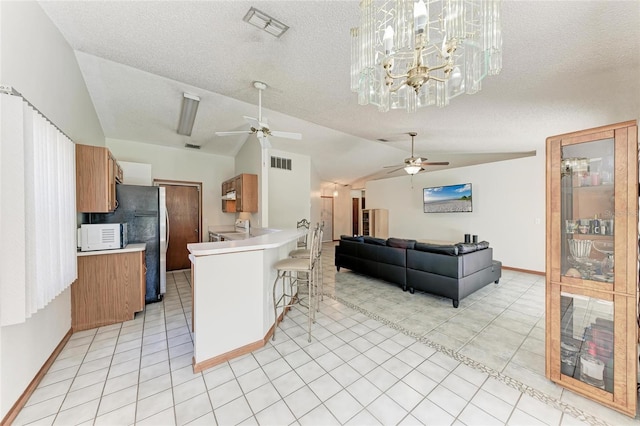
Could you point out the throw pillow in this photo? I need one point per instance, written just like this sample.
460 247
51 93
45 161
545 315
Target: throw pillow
375 241
401 243
450 250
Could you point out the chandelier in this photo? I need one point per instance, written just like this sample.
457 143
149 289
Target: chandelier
409 54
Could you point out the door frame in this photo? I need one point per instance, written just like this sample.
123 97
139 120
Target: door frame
160 182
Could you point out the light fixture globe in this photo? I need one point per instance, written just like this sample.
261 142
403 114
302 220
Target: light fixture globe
412 170
409 54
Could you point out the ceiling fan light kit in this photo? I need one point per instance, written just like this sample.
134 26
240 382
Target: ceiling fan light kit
188 113
410 54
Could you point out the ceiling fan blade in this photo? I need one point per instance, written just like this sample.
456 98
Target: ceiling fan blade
395 170
253 122
288 135
435 163
240 132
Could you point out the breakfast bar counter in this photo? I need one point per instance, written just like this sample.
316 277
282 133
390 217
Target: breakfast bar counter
232 284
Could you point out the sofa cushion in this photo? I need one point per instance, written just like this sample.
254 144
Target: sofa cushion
375 241
357 239
401 243
451 250
482 245
464 248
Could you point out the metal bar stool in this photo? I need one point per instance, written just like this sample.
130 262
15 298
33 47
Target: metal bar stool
302 241
296 272
305 253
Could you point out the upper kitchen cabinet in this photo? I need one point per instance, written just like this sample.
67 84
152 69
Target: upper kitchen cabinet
97 173
240 194
592 264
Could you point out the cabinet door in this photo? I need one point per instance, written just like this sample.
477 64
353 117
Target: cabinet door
592 233
239 194
96 174
112 170
142 282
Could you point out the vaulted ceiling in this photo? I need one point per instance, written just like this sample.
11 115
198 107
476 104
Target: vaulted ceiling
567 65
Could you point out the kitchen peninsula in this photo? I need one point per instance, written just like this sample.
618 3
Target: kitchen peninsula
232 284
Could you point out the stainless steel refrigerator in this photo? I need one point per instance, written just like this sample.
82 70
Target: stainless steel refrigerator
144 210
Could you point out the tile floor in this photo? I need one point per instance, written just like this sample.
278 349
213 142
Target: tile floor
378 356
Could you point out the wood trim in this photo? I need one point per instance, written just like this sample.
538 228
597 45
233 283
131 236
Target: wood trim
528 271
161 182
595 129
15 410
243 350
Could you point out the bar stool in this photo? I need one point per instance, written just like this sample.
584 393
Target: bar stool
302 241
296 272
305 253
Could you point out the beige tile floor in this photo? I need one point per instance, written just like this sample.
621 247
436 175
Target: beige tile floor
378 356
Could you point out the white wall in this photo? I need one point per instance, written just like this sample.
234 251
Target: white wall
184 165
289 191
36 60
508 208
249 160
315 192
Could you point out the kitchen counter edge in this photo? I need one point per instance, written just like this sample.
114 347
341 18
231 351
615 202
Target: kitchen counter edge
261 242
128 249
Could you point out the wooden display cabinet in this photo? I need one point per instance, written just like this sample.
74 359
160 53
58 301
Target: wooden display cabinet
97 173
110 288
592 264
375 223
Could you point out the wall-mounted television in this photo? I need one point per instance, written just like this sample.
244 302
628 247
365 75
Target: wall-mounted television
447 199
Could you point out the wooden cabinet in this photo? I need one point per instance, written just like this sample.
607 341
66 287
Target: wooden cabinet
375 223
110 288
97 173
245 187
592 264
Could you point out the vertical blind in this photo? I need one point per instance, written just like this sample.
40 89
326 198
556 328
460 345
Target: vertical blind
38 211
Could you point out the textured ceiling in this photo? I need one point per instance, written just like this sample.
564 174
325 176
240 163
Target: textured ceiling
567 65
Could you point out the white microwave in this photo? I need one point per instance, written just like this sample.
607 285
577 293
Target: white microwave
102 236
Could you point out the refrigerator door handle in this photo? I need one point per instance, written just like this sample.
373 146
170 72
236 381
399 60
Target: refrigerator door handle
168 230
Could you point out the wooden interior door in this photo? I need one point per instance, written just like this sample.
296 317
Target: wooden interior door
355 215
183 209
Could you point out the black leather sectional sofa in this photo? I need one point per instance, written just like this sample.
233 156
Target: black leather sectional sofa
454 271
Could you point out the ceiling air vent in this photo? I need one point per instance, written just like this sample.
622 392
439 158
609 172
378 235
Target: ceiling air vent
192 146
281 163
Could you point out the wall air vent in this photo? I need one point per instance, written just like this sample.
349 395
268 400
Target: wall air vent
192 146
281 163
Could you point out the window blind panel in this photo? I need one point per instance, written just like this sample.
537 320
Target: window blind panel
38 212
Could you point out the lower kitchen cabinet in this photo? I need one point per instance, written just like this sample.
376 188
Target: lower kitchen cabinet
110 288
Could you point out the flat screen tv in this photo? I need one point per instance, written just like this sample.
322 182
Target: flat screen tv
448 199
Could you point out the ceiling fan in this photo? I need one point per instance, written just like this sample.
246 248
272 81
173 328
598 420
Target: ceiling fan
260 126
413 165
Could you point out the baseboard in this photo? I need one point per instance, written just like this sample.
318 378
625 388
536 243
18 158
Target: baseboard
13 412
212 362
528 271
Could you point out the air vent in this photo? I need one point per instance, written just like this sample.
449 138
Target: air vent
192 146
281 163
382 140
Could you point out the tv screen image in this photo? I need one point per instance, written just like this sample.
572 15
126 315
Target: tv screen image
448 199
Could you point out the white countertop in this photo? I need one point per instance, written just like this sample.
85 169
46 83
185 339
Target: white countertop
128 249
269 238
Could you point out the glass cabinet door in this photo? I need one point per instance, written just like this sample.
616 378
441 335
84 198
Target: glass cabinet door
588 210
